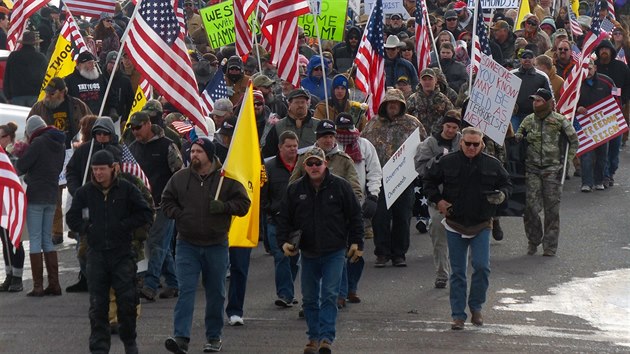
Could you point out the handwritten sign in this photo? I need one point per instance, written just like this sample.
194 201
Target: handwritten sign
389 7
331 20
218 20
492 99
400 170
603 122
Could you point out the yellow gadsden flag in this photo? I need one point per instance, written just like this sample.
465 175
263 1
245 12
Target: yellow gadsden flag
243 164
522 11
139 100
61 63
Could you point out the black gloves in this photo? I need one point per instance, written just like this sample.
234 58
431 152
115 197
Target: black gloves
369 206
216 207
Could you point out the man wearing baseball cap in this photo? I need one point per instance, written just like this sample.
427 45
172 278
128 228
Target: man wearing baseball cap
464 16
544 131
532 79
323 241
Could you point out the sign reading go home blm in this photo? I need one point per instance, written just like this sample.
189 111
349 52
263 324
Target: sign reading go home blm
331 20
492 99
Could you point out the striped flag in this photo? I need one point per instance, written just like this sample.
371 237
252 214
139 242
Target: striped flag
621 56
182 127
576 29
145 87
481 44
611 9
156 47
280 29
130 165
70 31
607 26
242 10
179 14
597 123
576 54
22 11
370 60
90 8
423 43
215 89
13 200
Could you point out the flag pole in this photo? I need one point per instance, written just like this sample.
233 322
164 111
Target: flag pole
425 14
321 58
255 40
120 50
472 59
566 151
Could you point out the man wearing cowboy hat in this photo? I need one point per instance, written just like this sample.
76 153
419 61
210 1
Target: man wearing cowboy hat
395 66
24 71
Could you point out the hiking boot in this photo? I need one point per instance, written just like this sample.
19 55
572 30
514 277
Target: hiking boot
169 293
532 249
476 318
311 347
457 325
399 262
177 345
213 346
148 294
283 303
353 298
6 283
16 285
441 283
381 261
325 347
497 232
421 226
80 286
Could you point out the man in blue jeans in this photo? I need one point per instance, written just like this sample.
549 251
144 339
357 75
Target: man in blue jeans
322 209
279 170
202 223
473 185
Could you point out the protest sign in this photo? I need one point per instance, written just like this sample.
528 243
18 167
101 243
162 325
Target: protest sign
355 5
496 4
218 20
61 63
603 122
400 170
492 99
394 7
331 20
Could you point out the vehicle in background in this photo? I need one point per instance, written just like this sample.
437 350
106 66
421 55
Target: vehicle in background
13 113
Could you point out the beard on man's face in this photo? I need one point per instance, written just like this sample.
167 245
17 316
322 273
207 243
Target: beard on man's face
52 103
195 163
90 74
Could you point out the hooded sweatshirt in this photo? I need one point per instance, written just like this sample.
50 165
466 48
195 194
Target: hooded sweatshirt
315 85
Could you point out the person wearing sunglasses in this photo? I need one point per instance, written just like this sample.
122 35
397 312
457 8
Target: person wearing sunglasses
546 133
325 208
468 208
395 65
532 80
531 31
344 54
563 59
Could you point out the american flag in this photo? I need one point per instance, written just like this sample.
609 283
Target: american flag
22 11
621 56
130 165
576 28
570 92
13 199
156 47
590 127
215 89
242 10
70 31
146 88
179 14
90 8
576 54
611 9
423 42
370 60
607 26
181 126
481 44
280 29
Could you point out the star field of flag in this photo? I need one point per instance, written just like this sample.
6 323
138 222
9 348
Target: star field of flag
217 87
596 24
375 30
160 16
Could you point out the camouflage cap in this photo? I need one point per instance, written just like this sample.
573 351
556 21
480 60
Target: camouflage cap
315 153
153 106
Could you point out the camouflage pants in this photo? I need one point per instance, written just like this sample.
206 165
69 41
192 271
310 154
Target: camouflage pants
543 193
440 244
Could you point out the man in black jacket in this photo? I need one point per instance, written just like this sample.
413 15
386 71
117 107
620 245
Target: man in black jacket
108 210
473 185
87 83
324 209
24 71
532 80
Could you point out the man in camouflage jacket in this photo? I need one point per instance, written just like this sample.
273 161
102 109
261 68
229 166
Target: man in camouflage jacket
429 105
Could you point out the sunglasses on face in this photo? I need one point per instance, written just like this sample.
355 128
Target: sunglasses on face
136 127
314 163
451 19
617 33
532 23
258 104
108 20
563 49
470 143
392 49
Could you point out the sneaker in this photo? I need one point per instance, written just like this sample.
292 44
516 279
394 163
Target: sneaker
177 345
476 318
311 347
586 189
599 187
235 321
325 347
169 293
441 283
213 346
148 294
399 262
457 325
353 298
283 303
532 249
421 226
381 261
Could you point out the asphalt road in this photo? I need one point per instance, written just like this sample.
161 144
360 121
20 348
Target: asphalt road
578 301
